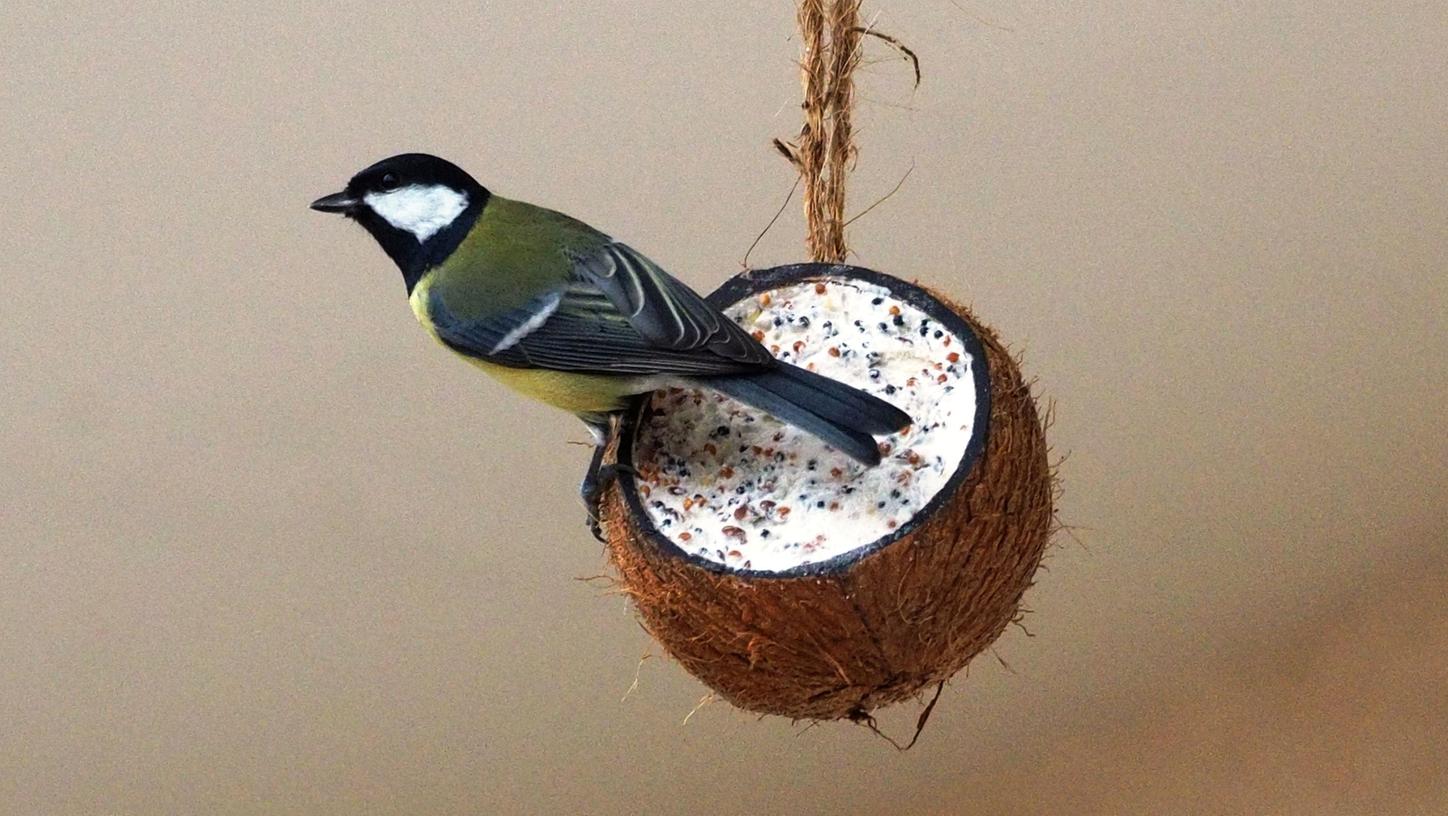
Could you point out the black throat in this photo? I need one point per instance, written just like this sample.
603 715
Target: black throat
414 258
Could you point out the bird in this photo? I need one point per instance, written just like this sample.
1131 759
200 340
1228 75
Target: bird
564 313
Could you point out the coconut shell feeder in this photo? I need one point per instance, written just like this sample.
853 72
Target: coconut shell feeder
889 616
792 580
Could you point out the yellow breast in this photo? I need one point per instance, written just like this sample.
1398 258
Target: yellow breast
418 300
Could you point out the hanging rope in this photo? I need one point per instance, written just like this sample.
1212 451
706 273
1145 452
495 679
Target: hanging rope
825 149
831 36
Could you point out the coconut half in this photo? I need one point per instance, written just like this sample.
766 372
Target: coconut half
790 578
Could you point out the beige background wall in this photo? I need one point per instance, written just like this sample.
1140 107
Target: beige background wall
265 549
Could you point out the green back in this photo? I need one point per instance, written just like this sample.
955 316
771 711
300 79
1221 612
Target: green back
514 252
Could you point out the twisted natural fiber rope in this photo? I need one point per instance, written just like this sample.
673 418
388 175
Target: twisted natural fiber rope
831 32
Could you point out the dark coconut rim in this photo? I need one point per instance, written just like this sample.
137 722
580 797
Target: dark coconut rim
757 281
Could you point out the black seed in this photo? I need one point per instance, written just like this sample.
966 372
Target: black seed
877 301
890 389
939 334
874 373
899 320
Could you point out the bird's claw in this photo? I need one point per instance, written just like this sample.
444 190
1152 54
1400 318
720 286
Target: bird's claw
595 482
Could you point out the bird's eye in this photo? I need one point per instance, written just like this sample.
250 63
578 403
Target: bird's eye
390 181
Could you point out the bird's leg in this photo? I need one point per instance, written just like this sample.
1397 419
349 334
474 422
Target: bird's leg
599 475
591 491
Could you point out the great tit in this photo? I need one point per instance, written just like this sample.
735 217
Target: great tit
564 313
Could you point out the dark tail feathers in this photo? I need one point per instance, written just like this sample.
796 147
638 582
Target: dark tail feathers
844 417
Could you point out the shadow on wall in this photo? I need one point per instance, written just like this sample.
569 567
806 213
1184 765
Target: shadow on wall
1344 713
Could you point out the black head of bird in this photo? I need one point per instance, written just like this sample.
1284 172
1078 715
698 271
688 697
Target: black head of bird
418 207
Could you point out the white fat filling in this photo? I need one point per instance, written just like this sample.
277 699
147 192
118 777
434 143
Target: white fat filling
735 486
421 209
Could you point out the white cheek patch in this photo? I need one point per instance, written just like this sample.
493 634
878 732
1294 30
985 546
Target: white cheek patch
419 209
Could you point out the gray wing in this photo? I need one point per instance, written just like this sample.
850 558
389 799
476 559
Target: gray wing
662 309
661 328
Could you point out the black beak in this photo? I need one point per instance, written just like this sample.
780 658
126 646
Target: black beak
336 203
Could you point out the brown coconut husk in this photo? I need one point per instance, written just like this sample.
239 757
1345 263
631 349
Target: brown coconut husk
876 629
